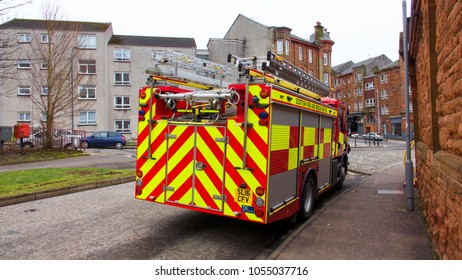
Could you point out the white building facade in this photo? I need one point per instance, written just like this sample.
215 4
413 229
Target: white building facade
109 71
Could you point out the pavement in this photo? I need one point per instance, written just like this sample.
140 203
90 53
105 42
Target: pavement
368 221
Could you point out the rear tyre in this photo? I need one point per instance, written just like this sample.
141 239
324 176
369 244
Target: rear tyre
342 174
118 145
85 145
307 203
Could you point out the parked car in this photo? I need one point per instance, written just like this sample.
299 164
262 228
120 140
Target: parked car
355 135
373 136
104 139
61 138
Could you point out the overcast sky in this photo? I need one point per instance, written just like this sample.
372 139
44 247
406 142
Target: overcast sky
360 28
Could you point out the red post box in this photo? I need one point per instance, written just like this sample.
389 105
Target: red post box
21 130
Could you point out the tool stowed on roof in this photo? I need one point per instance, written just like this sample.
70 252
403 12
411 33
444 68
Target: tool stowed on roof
275 70
181 69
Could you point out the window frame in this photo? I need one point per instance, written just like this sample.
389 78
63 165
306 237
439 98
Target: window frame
122 81
87 120
84 42
44 35
122 105
21 88
280 46
124 57
24 116
26 62
122 125
24 38
89 65
86 88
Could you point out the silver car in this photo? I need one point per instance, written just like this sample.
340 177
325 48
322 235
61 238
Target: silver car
373 136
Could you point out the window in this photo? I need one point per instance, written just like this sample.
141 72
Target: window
384 109
383 78
360 76
44 38
24 90
370 119
87 66
43 65
326 79
370 102
24 38
300 53
360 105
43 117
121 78
287 47
326 59
122 126
280 47
360 91
122 102
24 117
370 85
383 94
87 92
122 54
87 41
310 56
24 64
43 90
87 117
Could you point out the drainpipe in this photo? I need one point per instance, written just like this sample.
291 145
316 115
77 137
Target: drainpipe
408 165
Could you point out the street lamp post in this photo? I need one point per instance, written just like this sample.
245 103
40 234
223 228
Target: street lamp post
408 165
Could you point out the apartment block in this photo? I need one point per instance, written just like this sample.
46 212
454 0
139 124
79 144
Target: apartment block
248 38
100 73
373 92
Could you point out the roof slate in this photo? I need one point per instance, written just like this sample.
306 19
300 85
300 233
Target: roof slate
64 25
152 41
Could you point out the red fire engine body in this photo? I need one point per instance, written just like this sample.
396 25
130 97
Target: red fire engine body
256 151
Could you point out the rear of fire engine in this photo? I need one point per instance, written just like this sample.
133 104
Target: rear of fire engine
261 149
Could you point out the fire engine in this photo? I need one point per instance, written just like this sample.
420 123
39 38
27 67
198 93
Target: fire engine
260 149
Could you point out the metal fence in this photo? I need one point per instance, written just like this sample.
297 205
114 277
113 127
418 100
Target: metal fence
60 138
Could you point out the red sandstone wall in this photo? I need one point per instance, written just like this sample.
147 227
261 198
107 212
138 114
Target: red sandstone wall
437 94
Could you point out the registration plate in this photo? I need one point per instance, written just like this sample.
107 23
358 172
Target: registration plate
244 196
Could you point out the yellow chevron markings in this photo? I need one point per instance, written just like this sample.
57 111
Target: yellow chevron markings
179 181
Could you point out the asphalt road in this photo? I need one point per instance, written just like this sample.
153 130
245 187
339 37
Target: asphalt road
109 223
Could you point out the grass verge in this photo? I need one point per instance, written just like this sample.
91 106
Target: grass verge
36 180
15 156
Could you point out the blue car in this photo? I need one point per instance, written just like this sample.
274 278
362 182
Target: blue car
104 139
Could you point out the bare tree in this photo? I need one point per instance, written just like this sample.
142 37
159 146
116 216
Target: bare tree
8 42
56 63
57 78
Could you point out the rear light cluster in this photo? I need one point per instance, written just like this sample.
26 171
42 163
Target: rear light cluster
264 94
259 202
139 182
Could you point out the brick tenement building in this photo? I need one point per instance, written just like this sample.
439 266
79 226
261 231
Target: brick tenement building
436 81
356 85
390 100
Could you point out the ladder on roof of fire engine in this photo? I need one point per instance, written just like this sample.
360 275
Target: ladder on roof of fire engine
275 70
181 69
